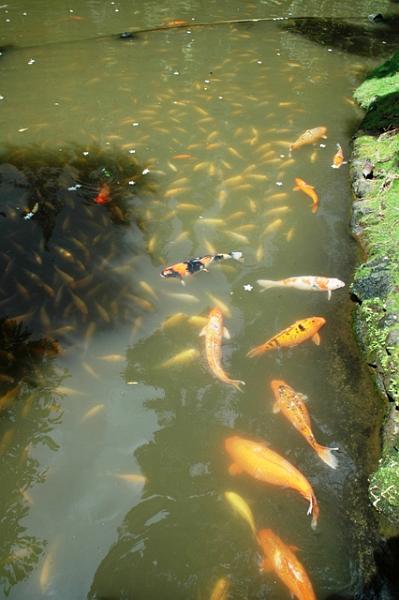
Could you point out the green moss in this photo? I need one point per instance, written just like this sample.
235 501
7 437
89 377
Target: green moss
376 282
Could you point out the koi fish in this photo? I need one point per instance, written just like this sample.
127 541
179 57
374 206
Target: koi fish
304 282
176 23
103 195
294 409
242 508
338 159
310 136
220 589
214 332
194 265
281 559
295 334
309 190
263 464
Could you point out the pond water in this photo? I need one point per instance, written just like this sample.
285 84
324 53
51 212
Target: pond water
120 157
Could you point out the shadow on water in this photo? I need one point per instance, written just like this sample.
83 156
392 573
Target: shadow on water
29 410
71 231
362 38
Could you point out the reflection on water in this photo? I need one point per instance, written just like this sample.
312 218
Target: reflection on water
125 439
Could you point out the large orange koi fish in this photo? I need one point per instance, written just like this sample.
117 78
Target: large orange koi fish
293 407
295 334
258 461
281 559
213 332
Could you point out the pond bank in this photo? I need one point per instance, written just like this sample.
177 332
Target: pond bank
375 223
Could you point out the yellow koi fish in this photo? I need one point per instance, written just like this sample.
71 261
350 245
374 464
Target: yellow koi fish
213 332
220 589
295 334
242 508
310 136
292 406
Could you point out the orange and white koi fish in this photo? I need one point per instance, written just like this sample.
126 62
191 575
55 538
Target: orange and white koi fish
309 190
194 265
214 332
295 334
338 159
310 136
292 405
281 559
304 282
103 196
263 464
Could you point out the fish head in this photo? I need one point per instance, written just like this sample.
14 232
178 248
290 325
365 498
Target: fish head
267 539
335 284
216 319
278 386
318 322
168 272
231 444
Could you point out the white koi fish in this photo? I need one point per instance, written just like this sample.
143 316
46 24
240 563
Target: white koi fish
305 282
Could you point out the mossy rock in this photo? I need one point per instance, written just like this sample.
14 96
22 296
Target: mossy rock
384 487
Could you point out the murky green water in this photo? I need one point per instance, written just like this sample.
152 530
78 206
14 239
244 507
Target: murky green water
113 467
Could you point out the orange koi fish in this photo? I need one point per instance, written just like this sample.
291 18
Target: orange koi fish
293 407
263 464
213 332
103 195
295 334
338 159
281 559
309 190
304 282
310 136
176 23
194 265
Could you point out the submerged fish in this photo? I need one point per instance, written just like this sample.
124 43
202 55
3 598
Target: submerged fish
263 464
338 159
220 589
194 265
295 334
242 508
103 196
310 136
293 407
213 332
180 358
281 559
304 282
309 190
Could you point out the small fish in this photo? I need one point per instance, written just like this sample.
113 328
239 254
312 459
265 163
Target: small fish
112 358
295 334
242 508
310 136
103 196
173 320
131 477
188 298
94 410
294 409
176 23
338 159
182 156
180 358
304 282
64 390
309 190
263 464
281 559
194 265
220 589
214 332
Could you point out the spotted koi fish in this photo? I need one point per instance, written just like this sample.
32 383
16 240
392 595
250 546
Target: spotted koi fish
295 334
292 405
194 265
304 282
213 332
310 136
338 159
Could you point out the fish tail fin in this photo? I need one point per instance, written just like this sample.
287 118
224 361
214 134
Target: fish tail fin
256 351
237 383
236 255
314 208
313 510
335 166
266 284
327 456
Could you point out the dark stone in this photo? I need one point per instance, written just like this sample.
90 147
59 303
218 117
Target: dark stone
376 284
127 35
376 18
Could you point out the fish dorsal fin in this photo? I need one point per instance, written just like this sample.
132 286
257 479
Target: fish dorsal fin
276 407
226 333
302 397
203 330
316 339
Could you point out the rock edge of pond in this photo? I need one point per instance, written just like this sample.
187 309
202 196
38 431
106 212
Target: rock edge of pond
375 289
